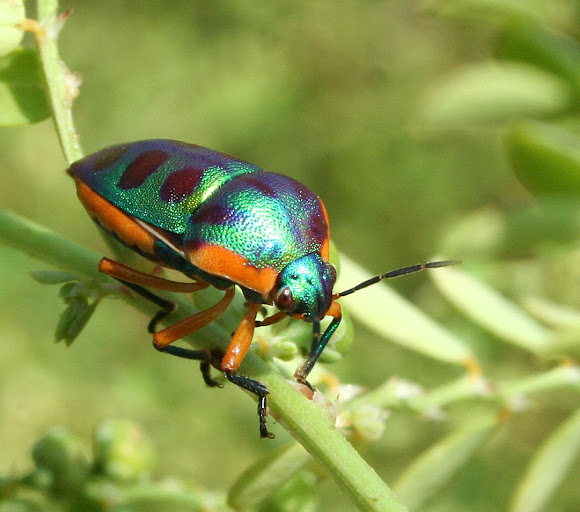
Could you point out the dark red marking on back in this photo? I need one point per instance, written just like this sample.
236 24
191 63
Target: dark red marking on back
214 216
108 157
142 167
259 184
317 226
180 184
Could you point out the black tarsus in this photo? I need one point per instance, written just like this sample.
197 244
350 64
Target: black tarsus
258 389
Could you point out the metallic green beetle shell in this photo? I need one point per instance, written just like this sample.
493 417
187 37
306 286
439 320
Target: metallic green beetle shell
229 219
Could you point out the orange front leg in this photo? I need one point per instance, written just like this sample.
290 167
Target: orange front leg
207 358
241 340
237 350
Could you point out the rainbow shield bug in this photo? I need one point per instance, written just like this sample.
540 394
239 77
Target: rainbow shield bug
222 222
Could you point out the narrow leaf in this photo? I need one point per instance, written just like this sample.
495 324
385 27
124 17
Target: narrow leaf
267 475
22 96
546 158
435 467
526 40
490 309
393 317
549 467
11 14
494 92
52 276
300 493
557 315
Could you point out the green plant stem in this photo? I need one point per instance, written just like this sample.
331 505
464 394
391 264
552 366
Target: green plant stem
60 93
61 89
43 244
392 394
565 376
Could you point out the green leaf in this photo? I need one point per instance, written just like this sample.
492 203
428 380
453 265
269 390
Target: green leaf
551 313
549 467
301 493
52 276
551 221
22 96
69 291
565 343
11 14
493 92
267 475
525 40
435 467
564 377
488 308
546 158
393 317
491 10
73 320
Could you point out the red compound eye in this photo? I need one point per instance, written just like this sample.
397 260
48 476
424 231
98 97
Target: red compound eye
284 300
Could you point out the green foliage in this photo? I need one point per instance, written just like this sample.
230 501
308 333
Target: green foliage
545 157
117 479
460 127
11 15
22 96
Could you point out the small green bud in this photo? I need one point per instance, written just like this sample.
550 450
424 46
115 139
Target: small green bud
123 452
73 319
62 459
284 350
366 422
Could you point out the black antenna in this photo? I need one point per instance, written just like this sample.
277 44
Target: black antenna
396 273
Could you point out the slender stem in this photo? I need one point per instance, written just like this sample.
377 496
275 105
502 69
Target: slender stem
62 89
60 82
565 376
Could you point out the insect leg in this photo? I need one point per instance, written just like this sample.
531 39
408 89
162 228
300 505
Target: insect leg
207 359
318 343
136 280
237 350
193 323
162 340
168 307
130 275
272 319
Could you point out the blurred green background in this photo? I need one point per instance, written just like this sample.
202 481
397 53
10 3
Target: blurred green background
335 94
